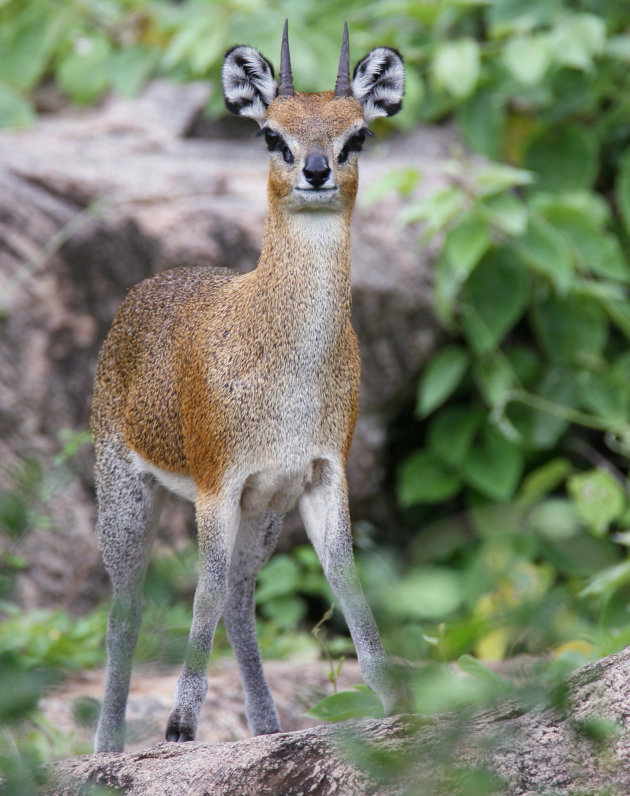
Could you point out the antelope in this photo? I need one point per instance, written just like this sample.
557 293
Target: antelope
239 392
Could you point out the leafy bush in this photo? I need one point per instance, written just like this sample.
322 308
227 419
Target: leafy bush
521 476
88 47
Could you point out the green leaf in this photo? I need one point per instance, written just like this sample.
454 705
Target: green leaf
543 480
403 181
286 611
622 189
456 66
130 68
26 44
546 252
619 313
422 478
482 121
527 58
604 396
494 466
465 245
526 363
496 521
506 212
347 705
577 39
620 369
14 515
15 111
565 158
450 433
436 210
619 47
210 46
493 178
182 43
485 675
583 556
581 223
280 577
494 378
599 498
608 580
493 299
427 593
574 207
445 291
83 74
519 16
555 519
541 429
571 330
440 378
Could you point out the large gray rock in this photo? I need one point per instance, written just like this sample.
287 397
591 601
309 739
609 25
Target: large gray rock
93 201
577 743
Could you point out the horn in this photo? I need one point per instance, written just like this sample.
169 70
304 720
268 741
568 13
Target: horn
342 86
285 78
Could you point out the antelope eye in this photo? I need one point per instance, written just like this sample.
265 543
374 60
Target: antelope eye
357 141
353 144
272 140
276 143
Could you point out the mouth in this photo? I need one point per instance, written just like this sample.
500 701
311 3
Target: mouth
317 190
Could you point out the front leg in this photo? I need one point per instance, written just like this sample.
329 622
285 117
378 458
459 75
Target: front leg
326 517
217 525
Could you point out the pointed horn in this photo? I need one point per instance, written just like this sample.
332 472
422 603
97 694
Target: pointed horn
342 86
285 78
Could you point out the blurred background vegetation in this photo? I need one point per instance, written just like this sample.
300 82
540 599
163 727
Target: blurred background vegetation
512 476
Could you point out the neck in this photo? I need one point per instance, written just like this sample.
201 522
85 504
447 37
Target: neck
305 266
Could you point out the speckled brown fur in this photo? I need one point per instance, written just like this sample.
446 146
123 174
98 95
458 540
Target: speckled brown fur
187 371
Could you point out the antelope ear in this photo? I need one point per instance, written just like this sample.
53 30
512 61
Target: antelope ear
248 82
378 83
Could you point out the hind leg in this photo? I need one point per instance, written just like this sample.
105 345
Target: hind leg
256 541
128 509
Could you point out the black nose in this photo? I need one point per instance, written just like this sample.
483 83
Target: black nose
316 169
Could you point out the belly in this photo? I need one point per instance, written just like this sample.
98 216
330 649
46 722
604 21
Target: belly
275 489
269 489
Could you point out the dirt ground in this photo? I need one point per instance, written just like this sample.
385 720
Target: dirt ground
296 686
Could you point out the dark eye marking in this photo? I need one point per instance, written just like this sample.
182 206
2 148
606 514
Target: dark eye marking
288 155
353 144
276 143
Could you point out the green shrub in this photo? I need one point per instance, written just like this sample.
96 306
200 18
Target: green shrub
521 476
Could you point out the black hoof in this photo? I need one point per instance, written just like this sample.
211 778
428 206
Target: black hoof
178 732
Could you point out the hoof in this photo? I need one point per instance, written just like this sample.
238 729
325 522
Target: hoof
178 731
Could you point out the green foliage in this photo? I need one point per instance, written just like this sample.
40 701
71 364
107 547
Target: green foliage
20 757
521 478
347 705
286 582
53 639
89 47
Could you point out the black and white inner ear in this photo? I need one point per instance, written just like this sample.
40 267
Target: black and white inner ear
378 83
249 85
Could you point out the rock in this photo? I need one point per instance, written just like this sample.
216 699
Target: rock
93 201
506 748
